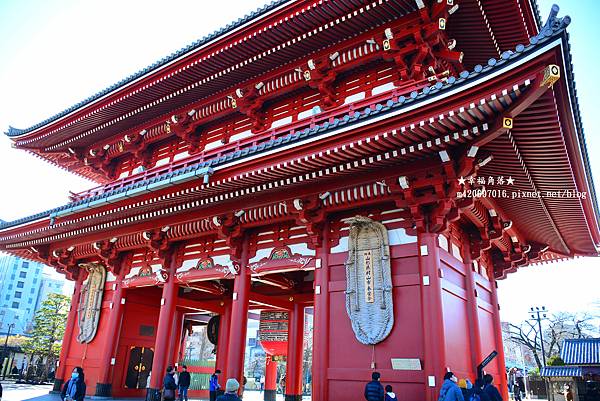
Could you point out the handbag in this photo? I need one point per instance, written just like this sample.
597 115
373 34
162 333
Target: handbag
169 394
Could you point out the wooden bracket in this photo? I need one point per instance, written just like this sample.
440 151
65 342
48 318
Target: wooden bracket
310 213
249 102
230 229
321 76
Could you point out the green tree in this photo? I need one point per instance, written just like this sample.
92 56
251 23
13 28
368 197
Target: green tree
47 333
555 360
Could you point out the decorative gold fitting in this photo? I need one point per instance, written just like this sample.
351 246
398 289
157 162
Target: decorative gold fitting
386 45
507 123
551 75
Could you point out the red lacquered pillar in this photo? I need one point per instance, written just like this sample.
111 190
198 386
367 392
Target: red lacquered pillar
165 322
321 328
434 344
113 328
270 379
68 337
239 319
184 338
176 336
503 385
293 375
223 340
473 312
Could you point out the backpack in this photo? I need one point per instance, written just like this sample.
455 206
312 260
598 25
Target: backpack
475 397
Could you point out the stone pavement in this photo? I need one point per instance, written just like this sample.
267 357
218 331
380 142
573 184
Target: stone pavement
21 392
28 392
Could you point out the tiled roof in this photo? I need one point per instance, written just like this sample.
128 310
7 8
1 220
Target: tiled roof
536 12
561 371
581 351
12 131
553 28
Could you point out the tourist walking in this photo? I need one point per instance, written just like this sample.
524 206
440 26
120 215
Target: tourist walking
213 385
282 384
184 384
568 393
231 388
374 390
490 389
169 385
389 394
450 390
520 382
262 383
516 391
74 389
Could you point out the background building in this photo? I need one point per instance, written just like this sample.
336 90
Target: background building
23 289
516 354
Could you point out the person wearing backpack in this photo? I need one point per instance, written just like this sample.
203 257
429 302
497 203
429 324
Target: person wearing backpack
450 390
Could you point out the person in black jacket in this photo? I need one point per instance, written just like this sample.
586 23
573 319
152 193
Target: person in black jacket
184 383
374 389
74 388
478 393
169 385
490 389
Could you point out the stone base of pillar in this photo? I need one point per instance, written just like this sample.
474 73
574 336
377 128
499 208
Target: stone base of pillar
293 397
270 395
58 384
103 390
153 394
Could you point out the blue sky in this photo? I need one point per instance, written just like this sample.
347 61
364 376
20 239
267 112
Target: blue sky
56 53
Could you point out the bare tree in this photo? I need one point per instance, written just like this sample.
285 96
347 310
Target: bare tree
526 334
559 327
583 325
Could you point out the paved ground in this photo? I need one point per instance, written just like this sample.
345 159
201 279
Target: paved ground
21 392
28 392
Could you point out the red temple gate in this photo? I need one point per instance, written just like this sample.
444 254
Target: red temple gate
228 173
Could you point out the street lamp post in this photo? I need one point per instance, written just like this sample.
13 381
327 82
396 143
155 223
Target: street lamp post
538 315
5 350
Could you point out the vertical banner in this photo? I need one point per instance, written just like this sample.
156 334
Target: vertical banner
368 264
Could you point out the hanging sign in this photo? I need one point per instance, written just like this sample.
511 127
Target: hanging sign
369 302
273 332
90 302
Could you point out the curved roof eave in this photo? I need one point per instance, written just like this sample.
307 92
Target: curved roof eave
553 29
13 132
